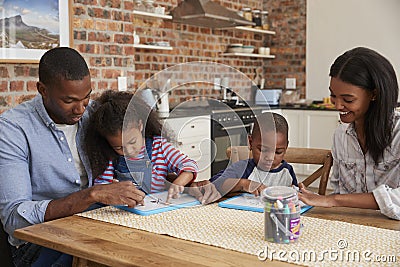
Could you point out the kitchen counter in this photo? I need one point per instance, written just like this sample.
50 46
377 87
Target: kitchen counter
202 111
298 107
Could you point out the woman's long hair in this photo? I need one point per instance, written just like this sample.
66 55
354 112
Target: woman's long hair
115 112
371 71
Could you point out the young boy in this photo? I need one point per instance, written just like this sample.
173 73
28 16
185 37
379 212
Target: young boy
268 143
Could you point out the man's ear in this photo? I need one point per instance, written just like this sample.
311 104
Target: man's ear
41 89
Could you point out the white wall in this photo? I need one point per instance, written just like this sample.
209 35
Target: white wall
335 26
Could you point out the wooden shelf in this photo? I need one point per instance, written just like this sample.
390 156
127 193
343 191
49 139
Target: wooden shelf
144 46
254 30
247 55
152 15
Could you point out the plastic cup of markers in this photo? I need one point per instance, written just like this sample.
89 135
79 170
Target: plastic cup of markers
281 214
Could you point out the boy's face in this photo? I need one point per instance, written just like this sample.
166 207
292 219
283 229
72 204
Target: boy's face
128 143
268 150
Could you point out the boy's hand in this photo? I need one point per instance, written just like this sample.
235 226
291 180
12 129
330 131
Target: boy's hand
174 191
252 187
204 191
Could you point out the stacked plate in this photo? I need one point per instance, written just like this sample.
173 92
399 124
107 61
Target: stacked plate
240 48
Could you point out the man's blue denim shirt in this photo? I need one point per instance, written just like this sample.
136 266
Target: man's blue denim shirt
36 164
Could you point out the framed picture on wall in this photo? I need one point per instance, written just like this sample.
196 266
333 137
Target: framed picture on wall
29 28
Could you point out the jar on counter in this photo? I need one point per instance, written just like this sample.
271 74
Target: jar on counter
149 5
139 6
264 20
257 18
247 15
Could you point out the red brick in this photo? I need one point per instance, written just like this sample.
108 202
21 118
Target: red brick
3 86
5 101
23 98
31 86
4 72
16 86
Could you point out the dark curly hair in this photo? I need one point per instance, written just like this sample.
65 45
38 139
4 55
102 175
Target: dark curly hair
62 63
371 71
115 112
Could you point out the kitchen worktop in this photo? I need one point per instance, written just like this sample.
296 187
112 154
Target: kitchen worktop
202 111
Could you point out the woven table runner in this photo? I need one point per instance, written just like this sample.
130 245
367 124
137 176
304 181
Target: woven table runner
322 242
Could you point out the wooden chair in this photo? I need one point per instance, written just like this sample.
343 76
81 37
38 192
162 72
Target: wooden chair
314 156
5 249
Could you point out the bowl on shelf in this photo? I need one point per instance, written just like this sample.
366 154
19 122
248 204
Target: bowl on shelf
248 49
235 48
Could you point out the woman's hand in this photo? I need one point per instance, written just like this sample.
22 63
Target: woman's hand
313 199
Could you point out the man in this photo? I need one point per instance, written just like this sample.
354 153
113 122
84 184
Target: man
44 173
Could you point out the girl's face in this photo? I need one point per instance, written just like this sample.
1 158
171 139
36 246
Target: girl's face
268 150
128 142
351 101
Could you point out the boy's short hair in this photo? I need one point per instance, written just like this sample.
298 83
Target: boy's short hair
62 63
270 121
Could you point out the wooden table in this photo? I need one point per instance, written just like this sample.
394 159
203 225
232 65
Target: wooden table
96 243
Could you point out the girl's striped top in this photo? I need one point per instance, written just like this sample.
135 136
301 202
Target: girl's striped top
165 159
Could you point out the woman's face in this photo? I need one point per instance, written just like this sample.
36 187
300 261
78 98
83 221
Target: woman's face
351 101
128 142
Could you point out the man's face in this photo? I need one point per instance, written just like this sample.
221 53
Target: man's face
66 101
268 150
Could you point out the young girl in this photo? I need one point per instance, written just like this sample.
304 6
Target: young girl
366 149
124 137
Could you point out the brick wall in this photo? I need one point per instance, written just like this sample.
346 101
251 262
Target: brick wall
103 33
288 18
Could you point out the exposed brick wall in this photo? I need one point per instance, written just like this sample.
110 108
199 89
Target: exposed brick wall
103 33
288 19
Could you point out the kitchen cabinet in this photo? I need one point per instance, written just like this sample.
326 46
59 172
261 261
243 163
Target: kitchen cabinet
153 16
193 138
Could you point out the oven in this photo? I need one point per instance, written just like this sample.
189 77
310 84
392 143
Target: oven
229 128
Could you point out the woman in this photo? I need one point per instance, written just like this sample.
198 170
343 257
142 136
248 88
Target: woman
366 148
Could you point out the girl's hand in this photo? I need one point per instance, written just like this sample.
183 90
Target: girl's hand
313 199
174 191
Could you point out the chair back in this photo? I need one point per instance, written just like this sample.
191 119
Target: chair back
316 156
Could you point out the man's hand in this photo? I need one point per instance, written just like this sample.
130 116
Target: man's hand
118 193
204 191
